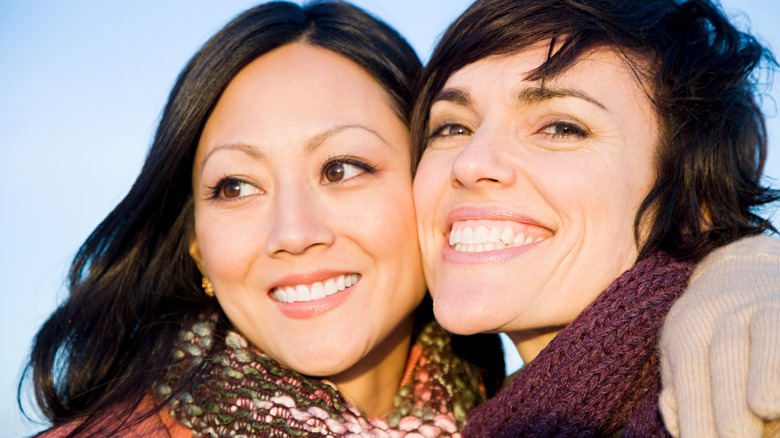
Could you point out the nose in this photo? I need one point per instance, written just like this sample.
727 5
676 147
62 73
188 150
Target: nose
481 165
297 224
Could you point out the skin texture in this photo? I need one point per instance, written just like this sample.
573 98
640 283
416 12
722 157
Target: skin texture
302 175
566 165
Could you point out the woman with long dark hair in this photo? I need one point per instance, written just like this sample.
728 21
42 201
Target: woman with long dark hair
262 276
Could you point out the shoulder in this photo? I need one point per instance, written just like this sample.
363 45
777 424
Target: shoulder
159 425
754 255
758 246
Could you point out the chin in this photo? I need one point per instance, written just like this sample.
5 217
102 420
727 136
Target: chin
323 366
325 359
451 316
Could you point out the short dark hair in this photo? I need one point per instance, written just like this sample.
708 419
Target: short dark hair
702 73
133 282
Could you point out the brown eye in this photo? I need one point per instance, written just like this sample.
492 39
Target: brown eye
341 169
565 130
334 172
456 130
451 130
232 189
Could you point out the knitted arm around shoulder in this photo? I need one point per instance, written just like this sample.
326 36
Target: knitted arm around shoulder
720 345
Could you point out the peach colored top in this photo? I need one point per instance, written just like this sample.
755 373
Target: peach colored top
159 425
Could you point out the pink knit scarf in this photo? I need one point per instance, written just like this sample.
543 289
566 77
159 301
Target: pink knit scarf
600 375
246 393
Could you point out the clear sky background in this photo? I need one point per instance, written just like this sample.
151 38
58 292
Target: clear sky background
82 84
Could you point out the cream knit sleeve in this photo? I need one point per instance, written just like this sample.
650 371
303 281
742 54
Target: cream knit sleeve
720 345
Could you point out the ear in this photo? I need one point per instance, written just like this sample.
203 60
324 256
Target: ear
195 254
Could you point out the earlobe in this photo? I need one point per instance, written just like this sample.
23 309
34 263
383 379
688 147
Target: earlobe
195 254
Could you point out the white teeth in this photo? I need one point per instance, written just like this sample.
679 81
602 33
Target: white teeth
495 235
507 235
454 237
302 293
315 291
485 238
481 235
467 237
330 287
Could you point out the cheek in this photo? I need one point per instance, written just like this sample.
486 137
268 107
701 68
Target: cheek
603 202
227 246
393 215
432 174
385 227
589 184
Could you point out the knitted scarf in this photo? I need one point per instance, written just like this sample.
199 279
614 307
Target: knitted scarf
600 375
245 393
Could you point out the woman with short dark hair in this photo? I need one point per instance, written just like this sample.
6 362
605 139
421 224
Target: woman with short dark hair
578 157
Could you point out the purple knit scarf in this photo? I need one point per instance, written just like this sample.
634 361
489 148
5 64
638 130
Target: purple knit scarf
600 374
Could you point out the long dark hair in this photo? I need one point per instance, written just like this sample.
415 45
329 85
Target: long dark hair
133 282
703 84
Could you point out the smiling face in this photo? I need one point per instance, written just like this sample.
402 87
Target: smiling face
304 220
526 196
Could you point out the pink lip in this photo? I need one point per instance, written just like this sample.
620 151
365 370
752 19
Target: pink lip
311 309
450 255
487 213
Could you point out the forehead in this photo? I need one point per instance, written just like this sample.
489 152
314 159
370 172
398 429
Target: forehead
295 91
602 71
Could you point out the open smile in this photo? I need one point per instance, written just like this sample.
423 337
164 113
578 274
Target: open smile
314 291
492 235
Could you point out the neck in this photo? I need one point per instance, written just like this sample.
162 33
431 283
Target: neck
531 342
373 383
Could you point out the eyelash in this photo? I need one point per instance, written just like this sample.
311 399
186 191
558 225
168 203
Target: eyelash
368 168
215 191
574 130
436 132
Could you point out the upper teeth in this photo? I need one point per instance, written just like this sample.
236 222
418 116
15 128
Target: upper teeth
484 238
314 291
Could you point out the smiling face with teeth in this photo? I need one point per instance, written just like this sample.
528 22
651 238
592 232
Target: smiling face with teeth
526 195
304 220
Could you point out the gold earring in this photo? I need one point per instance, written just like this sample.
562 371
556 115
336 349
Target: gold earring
207 286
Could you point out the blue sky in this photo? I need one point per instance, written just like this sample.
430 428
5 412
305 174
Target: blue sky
82 84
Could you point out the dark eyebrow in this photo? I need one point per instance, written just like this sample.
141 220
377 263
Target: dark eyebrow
311 144
524 96
243 147
316 140
457 96
532 95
